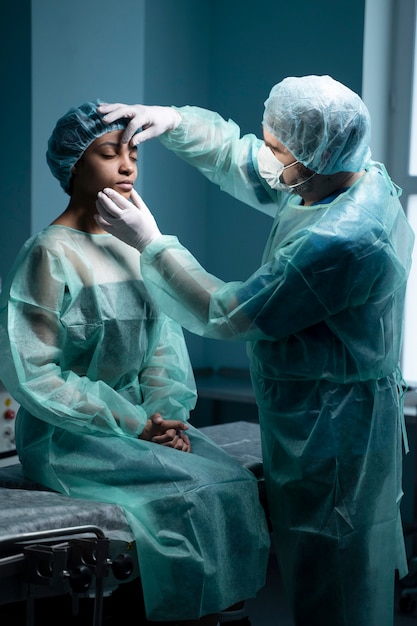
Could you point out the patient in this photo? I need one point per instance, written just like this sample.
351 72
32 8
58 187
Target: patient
105 388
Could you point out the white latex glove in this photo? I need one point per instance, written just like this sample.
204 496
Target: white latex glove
153 120
132 222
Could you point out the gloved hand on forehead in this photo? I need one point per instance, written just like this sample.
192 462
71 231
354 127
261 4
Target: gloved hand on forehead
132 222
153 120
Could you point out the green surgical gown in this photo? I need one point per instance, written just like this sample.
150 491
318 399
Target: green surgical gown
323 320
89 357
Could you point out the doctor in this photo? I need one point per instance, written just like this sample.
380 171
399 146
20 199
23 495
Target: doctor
322 318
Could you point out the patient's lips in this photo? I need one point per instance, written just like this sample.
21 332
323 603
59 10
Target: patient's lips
124 185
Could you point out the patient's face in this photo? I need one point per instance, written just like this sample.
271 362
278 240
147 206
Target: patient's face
107 162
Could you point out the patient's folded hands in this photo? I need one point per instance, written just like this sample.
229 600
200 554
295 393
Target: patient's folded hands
168 433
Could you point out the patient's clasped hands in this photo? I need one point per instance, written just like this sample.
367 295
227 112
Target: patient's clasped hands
168 433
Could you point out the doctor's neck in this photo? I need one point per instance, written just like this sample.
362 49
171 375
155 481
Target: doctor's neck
323 185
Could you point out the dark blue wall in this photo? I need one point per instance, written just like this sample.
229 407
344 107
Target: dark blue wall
15 130
222 55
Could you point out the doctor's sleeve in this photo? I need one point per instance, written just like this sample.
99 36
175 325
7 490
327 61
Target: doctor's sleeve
302 285
215 147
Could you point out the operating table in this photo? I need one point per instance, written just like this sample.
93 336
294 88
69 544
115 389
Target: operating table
53 545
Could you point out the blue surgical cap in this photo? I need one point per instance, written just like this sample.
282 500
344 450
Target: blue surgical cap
72 135
324 124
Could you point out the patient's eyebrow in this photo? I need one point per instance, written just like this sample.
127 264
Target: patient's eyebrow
117 144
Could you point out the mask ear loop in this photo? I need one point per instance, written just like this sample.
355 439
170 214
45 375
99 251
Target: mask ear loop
301 182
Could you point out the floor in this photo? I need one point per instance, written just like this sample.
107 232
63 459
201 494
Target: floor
268 609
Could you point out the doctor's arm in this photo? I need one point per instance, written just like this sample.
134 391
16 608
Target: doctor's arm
273 303
305 282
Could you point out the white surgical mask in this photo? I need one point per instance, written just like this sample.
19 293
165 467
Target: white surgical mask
271 169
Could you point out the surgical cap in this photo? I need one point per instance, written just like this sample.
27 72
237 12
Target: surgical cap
72 135
324 124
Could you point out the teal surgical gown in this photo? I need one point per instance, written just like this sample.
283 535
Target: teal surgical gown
323 320
89 357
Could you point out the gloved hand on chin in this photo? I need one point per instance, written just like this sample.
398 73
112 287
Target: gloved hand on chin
132 222
153 120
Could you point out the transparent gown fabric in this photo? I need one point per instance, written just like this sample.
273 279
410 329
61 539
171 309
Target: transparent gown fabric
89 357
323 320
